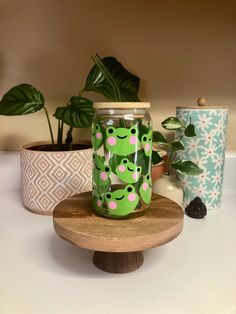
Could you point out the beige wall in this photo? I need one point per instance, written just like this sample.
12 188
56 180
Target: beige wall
181 50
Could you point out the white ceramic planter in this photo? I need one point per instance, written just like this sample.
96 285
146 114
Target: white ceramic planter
169 187
49 177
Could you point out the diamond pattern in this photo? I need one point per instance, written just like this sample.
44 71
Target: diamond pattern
50 177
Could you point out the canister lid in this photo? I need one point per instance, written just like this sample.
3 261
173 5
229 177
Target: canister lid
201 105
121 105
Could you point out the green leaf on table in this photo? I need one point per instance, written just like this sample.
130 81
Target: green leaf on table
186 167
20 100
156 158
77 114
190 131
177 145
172 123
158 137
127 82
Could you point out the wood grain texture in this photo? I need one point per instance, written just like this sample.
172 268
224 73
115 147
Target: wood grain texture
75 221
118 263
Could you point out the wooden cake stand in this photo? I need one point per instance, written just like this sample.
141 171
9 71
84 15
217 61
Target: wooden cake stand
118 244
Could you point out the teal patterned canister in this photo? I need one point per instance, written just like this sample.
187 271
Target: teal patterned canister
122 153
207 150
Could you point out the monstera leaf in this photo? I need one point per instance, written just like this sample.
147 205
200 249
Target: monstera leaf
77 114
126 82
20 100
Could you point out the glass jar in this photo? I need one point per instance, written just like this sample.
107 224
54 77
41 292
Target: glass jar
122 153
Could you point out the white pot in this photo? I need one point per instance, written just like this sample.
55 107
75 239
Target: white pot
48 177
169 187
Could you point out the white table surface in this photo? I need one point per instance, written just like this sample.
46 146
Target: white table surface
42 274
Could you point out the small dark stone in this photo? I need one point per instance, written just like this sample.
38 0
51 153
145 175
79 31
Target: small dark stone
196 209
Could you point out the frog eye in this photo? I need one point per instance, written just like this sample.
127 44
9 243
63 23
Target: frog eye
129 189
97 127
108 195
124 161
144 138
100 198
139 169
107 169
148 177
133 131
93 156
110 130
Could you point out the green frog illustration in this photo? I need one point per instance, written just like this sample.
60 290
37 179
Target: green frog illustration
127 171
147 143
122 141
97 136
101 173
98 201
146 189
123 201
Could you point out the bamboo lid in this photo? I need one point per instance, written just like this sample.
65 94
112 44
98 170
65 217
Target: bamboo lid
201 105
121 105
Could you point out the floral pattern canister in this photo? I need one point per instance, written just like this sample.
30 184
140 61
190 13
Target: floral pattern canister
122 152
207 150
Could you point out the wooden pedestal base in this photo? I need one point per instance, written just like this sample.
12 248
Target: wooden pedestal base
118 263
118 244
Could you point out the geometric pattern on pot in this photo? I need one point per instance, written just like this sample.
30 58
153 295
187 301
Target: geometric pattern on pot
207 150
49 177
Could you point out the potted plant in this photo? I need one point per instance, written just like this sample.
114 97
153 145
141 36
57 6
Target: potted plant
56 170
169 185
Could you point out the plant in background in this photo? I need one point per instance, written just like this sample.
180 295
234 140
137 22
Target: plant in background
172 148
107 77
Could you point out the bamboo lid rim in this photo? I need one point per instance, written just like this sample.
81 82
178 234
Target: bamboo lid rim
121 105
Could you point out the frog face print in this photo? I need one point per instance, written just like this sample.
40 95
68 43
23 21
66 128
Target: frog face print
101 173
127 171
98 201
123 201
147 143
97 136
146 189
122 141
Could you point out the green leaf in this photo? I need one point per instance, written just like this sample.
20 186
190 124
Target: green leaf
190 131
78 114
158 137
156 158
20 100
177 145
187 167
172 123
127 82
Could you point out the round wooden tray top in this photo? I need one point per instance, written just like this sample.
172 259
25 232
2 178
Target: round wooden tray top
75 221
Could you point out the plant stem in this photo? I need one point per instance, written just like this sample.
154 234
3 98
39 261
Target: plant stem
169 162
69 139
60 133
97 60
49 125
